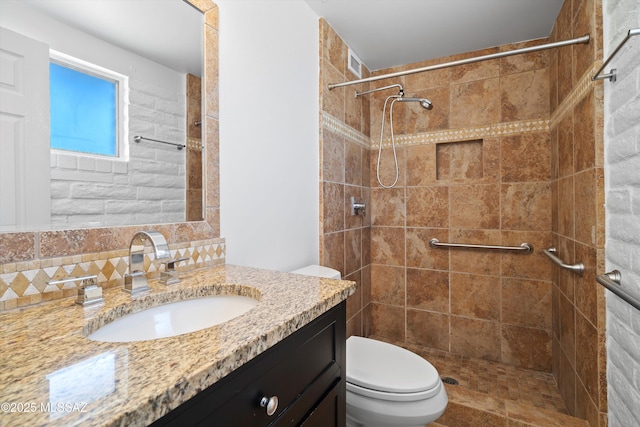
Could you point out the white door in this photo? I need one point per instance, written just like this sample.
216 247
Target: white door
25 188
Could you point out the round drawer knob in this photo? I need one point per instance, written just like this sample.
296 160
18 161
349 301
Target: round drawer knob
271 403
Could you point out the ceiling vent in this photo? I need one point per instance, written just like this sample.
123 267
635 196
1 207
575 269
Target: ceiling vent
354 64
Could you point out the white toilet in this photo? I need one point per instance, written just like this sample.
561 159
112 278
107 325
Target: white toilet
386 384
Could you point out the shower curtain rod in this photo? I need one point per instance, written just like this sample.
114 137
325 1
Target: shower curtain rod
580 40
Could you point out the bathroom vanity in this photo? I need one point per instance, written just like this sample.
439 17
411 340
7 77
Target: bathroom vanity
291 345
304 374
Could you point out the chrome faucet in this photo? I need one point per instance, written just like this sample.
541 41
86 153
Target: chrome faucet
136 281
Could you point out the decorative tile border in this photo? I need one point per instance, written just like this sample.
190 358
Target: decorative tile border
579 91
26 286
194 144
335 125
452 135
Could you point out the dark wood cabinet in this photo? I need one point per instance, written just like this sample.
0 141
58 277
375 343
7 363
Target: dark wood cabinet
306 371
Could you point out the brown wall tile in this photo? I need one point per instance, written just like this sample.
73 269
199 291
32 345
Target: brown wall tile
586 207
565 147
352 250
566 378
475 261
475 338
428 329
388 284
475 103
460 161
387 245
475 296
354 302
333 149
587 347
527 347
526 303
353 154
475 71
420 254
525 95
333 251
526 206
421 160
526 158
428 290
387 171
388 206
332 207
428 207
534 266
584 135
474 206
387 321
567 330
525 62
417 119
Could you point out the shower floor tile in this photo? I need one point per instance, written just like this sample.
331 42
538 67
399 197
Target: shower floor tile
538 389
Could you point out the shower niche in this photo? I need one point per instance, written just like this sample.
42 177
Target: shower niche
460 160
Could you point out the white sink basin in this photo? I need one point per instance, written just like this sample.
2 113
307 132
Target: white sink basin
177 318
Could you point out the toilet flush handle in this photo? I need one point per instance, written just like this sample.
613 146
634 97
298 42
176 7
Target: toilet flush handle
271 403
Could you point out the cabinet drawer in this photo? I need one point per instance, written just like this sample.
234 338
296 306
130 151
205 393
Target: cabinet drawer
299 371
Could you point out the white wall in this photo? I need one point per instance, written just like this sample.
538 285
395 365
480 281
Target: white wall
269 113
622 166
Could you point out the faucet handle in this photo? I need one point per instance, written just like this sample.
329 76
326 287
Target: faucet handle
171 263
89 292
171 276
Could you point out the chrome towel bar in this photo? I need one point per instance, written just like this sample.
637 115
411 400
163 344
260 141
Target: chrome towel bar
611 281
138 138
526 248
576 268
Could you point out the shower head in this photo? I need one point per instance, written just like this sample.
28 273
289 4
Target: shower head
424 102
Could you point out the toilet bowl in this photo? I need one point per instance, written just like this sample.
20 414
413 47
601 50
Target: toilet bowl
387 385
390 386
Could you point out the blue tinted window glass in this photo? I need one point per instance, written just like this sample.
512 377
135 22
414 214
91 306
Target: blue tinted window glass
83 112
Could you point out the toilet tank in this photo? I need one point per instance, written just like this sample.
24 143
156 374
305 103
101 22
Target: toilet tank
318 271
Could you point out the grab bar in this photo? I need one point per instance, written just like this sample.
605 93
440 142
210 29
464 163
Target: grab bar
611 281
576 268
527 248
611 75
140 138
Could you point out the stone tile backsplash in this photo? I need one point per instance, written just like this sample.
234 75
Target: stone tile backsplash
26 282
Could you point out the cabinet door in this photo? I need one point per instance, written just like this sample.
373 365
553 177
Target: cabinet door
328 411
300 370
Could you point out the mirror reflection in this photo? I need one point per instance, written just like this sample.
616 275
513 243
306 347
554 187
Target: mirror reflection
80 81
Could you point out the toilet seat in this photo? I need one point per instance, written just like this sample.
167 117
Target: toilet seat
387 372
395 397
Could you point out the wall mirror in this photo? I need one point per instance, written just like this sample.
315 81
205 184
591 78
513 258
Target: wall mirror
155 48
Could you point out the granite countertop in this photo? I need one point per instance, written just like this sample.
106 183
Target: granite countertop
51 374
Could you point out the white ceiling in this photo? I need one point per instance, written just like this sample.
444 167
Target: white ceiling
386 33
382 33
168 32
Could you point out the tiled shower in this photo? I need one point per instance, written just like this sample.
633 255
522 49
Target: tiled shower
510 153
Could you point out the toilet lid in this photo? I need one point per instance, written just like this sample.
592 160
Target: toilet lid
384 367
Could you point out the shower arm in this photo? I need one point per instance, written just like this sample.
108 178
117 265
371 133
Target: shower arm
366 92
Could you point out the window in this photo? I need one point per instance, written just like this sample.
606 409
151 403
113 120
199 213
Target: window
87 107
